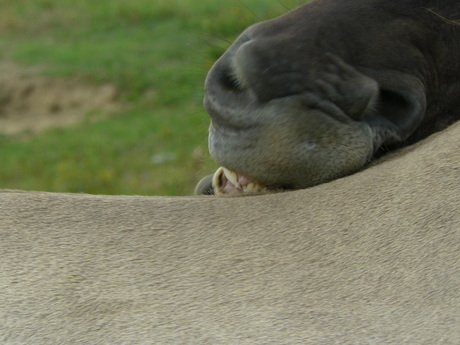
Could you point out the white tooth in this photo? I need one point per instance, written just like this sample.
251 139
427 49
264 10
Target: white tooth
216 179
232 177
250 187
253 188
223 174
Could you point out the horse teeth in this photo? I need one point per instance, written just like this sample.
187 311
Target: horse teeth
251 187
224 175
254 188
217 177
232 177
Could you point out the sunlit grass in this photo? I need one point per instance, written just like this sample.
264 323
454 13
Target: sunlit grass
157 54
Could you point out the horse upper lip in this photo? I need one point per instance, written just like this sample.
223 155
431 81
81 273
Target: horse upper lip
246 117
233 116
240 110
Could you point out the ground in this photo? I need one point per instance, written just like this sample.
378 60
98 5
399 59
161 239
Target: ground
32 102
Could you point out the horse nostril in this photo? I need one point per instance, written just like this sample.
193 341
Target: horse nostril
229 81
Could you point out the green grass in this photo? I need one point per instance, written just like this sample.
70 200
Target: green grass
157 145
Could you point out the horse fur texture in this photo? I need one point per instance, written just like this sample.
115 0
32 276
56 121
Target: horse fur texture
370 258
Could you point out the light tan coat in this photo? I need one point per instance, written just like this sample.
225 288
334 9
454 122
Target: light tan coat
370 258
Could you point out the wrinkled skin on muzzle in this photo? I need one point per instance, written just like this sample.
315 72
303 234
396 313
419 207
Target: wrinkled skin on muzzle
319 92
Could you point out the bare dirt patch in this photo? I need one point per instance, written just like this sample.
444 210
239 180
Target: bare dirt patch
31 102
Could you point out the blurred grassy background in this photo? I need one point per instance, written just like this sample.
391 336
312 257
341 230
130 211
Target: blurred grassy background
156 53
